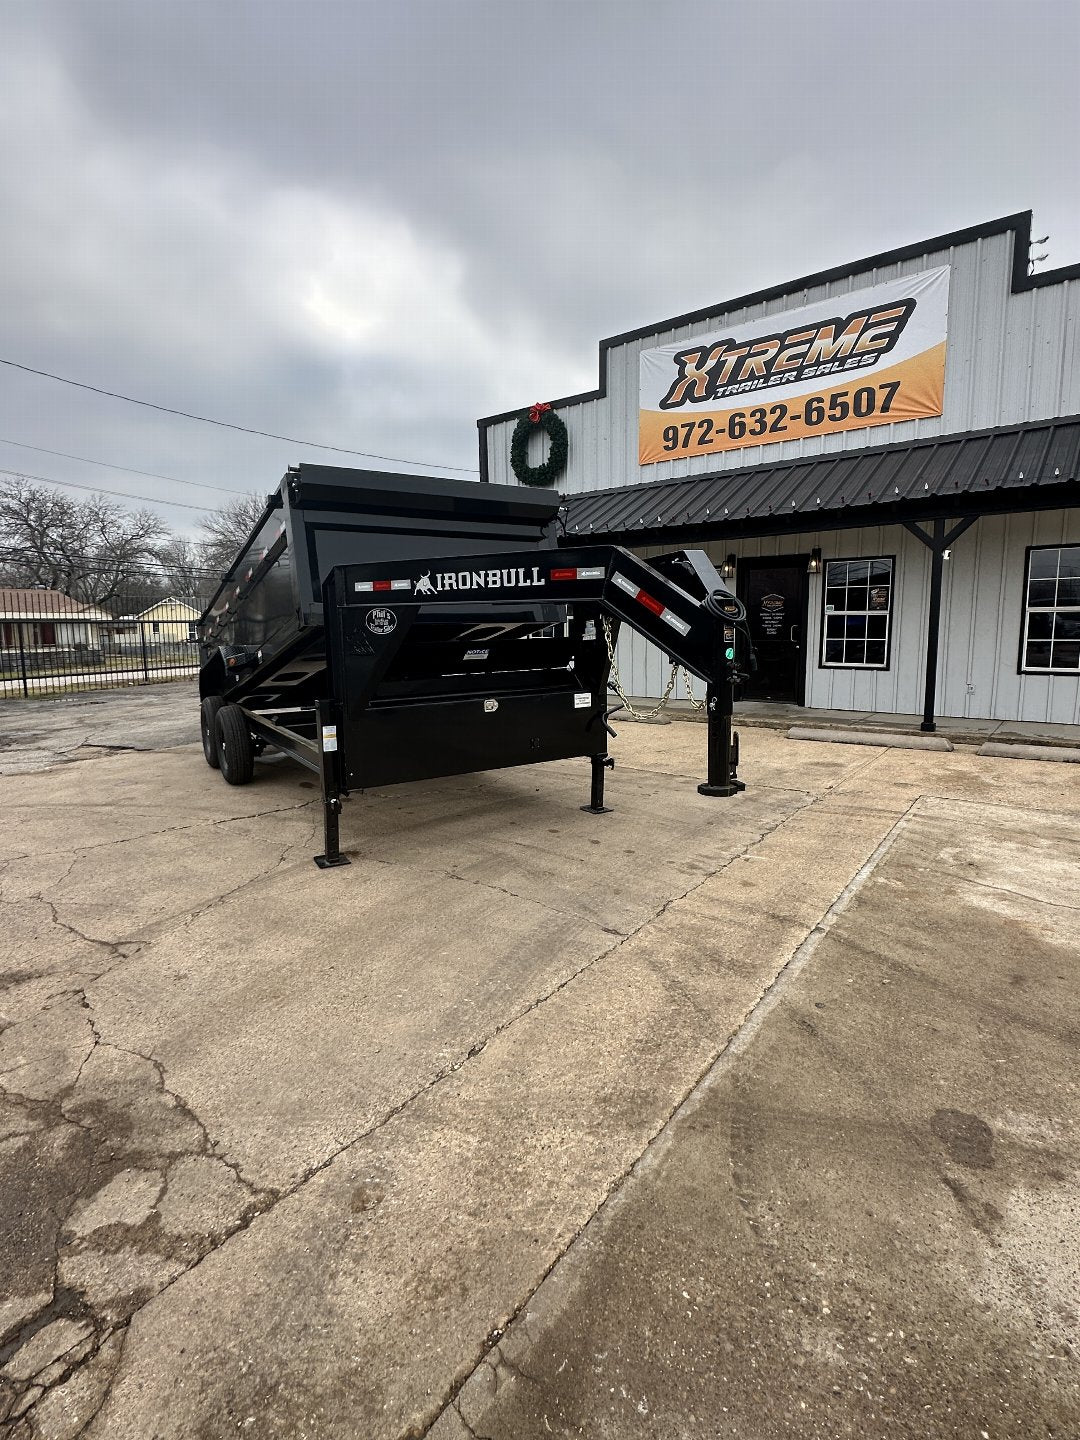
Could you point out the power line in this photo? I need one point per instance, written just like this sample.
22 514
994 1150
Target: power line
227 425
97 490
106 465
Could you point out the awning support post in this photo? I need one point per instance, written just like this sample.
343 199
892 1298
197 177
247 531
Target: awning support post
937 544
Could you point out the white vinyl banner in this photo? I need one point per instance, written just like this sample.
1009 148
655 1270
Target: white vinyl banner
871 357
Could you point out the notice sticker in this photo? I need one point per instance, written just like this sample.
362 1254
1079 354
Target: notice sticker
329 737
582 700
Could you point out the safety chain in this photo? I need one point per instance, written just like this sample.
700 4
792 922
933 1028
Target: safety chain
616 683
694 701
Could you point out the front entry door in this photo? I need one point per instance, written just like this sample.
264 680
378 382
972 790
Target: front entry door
774 590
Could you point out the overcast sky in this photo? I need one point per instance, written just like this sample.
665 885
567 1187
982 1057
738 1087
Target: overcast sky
369 223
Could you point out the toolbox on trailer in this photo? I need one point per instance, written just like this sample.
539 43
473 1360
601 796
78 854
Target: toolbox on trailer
383 628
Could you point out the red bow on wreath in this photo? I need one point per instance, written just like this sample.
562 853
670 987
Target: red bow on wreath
536 410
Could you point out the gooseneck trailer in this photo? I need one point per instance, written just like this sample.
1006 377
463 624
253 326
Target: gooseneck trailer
382 628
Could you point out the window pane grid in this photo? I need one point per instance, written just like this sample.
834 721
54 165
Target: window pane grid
1052 611
858 607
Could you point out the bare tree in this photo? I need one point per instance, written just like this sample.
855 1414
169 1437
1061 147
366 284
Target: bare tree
184 569
226 529
37 526
91 550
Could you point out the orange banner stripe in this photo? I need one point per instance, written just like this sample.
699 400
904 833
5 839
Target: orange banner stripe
921 392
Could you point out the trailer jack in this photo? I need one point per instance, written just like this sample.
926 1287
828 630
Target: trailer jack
331 855
596 805
723 747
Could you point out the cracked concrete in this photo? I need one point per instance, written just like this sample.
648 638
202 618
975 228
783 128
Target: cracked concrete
292 1152
36 734
783 1261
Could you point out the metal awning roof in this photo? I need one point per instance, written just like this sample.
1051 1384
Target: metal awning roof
1016 467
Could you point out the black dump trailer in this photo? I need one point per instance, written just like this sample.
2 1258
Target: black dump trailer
382 628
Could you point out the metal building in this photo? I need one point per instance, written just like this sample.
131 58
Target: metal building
885 458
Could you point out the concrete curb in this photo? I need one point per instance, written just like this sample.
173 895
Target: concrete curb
955 732
888 739
1005 751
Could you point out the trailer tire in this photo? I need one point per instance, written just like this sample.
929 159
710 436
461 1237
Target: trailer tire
210 706
236 753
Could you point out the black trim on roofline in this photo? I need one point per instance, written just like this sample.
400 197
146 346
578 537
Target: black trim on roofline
1019 224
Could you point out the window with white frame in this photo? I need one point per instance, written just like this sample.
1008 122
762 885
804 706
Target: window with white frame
858 613
1051 639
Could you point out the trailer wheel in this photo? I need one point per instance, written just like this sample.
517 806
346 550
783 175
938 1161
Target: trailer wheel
209 708
236 753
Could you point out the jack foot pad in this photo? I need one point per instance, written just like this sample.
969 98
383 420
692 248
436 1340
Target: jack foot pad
325 864
596 809
731 788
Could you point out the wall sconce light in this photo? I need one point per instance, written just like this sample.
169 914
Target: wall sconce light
814 568
727 570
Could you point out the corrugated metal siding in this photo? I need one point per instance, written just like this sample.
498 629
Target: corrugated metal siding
1011 359
982 611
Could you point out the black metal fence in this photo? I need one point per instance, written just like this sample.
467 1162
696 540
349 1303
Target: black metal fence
52 643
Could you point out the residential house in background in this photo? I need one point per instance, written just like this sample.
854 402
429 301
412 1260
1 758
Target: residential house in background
166 622
42 619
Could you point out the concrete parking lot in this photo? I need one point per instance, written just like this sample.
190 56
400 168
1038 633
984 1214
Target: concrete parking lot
702 1118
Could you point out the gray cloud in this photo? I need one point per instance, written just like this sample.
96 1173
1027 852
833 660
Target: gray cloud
372 223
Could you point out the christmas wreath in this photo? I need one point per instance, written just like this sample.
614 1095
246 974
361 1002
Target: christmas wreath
543 417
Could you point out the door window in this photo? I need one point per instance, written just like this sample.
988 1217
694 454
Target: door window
858 613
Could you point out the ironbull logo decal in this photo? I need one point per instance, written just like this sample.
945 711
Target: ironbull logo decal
519 578
850 342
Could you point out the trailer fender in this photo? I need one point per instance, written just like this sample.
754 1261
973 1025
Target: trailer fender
212 676
230 660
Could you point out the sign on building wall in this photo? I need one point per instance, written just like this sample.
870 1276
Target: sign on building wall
871 357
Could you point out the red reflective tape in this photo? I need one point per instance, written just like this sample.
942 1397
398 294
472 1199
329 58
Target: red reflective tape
381 585
564 574
650 604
